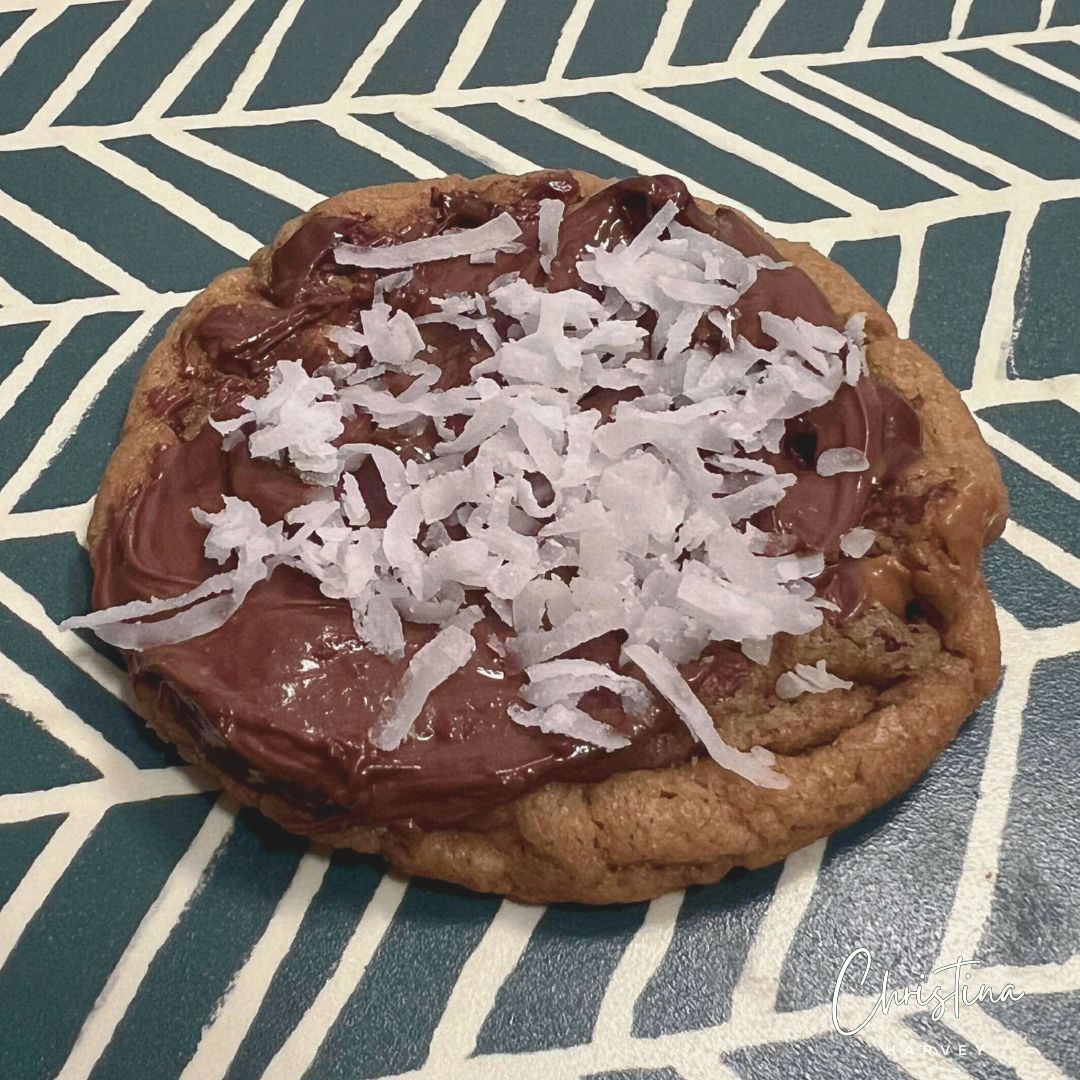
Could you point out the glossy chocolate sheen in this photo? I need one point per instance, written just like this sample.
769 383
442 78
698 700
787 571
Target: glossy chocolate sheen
283 695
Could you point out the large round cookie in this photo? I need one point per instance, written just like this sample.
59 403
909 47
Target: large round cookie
921 659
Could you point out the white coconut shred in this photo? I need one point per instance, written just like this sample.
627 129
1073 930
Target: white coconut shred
571 525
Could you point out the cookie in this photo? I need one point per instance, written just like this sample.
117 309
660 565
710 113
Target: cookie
300 691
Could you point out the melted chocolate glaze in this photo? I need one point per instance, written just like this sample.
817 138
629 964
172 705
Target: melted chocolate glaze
818 510
283 695
248 339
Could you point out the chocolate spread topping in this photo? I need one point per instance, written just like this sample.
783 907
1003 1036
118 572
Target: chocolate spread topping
284 689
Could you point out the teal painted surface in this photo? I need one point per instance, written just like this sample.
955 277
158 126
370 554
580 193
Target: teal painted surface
317 51
614 38
873 263
420 51
20 428
64 956
20 845
643 130
1046 1023
309 152
236 898
807 26
40 274
47 57
53 569
241 203
992 17
120 222
77 691
711 30
823 1056
959 259
896 859
1065 13
893 883
10 21
1065 100
76 470
1061 54
917 87
443 157
33 759
132 70
1037 597
1045 328
975 1063
433 933
903 22
14 341
1033 917
1040 506
534 142
1046 427
636 1074
866 118
522 22
692 988
328 925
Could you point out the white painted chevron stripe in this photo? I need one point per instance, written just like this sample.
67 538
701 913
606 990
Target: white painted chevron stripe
464 139
636 968
814 108
258 176
471 44
373 53
667 36
256 68
864 26
568 39
759 982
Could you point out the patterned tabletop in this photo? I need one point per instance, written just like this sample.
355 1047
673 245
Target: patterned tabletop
149 931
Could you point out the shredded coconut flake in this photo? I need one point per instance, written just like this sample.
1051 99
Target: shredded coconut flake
432 664
857 542
492 234
390 282
759 650
806 679
755 767
296 421
236 528
550 217
561 719
845 459
563 680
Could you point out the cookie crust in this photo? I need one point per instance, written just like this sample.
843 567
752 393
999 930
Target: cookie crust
640 833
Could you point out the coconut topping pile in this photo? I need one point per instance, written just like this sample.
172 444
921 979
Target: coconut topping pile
565 522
